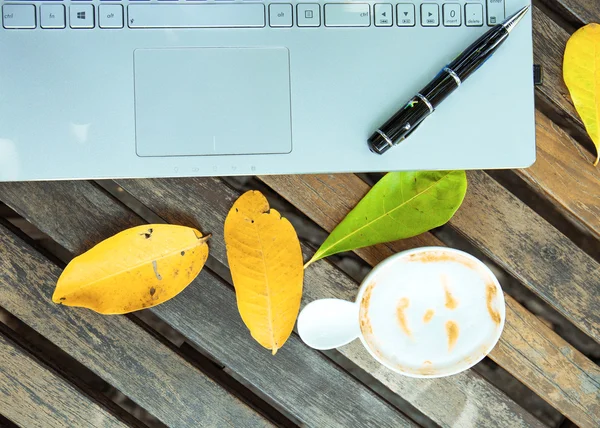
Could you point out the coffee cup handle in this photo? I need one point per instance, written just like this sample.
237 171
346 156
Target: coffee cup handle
329 323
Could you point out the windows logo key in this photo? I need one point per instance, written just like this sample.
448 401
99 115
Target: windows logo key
80 15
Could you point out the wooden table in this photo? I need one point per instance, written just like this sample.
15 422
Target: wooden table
539 227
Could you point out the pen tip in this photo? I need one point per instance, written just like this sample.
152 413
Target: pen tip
512 22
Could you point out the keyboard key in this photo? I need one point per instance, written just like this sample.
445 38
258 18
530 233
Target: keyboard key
18 16
474 14
280 15
52 16
347 15
430 15
451 13
81 16
110 16
383 15
406 15
308 15
495 12
195 15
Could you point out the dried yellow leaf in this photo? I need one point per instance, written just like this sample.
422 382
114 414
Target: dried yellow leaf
135 269
581 71
265 259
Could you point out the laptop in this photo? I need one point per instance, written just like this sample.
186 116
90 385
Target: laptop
149 88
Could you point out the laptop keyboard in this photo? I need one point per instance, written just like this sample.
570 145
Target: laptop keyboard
140 14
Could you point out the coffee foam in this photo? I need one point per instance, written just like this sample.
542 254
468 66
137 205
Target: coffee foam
431 313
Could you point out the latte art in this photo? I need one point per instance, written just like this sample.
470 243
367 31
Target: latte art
432 312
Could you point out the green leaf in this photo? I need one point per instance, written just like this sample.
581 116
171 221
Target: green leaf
399 206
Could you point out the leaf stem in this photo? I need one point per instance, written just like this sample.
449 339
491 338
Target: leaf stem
204 238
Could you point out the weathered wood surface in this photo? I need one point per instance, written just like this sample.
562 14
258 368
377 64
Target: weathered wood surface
528 349
31 395
465 398
526 343
549 41
298 379
564 174
114 347
534 252
563 171
586 11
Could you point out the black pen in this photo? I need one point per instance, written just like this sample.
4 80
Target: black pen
405 121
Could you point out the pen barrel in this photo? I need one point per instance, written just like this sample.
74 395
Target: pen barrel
400 125
478 52
439 88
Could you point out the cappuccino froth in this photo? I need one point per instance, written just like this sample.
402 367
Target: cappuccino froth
433 312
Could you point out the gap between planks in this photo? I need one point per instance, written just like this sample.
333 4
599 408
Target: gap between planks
85 336
32 394
204 313
168 338
71 370
178 207
337 194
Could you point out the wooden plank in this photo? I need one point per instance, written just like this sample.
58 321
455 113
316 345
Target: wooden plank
530 249
31 395
563 170
467 397
206 313
586 11
326 199
564 174
113 347
549 42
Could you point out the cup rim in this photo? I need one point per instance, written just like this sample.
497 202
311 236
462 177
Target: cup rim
406 253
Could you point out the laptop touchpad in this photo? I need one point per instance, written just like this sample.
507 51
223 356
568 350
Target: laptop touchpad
212 101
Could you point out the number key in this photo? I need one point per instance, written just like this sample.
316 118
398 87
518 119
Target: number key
451 15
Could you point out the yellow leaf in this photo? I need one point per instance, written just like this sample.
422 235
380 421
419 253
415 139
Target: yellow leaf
135 269
581 71
266 265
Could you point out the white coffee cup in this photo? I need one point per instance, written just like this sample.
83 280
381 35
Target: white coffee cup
427 312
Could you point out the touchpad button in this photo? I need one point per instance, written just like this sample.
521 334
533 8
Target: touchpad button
212 101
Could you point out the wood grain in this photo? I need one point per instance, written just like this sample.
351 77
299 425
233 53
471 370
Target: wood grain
114 347
549 42
466 398
327 198
298 379
31 395
586 11
564 174
563 171
530 249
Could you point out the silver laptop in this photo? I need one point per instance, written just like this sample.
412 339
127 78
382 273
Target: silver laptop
134 88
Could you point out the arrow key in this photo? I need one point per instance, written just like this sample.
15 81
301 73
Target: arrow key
430 15
406 15
383 15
